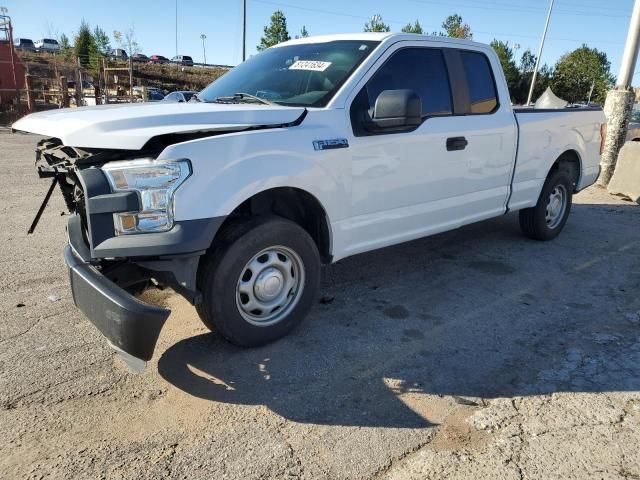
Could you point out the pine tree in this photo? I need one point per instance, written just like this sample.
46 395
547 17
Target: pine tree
506 57
85 48
66 50
102 41
415 28
376 25
453 27
276 32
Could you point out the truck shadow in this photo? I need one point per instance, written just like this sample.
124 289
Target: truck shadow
475 314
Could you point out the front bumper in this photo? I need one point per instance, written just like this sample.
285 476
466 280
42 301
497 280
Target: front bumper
132 327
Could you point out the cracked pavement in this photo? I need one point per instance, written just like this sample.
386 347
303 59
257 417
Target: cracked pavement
472 354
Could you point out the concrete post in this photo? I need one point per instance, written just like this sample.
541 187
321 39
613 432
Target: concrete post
31 101
617 109
620 101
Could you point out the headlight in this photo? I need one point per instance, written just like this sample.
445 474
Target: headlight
156 182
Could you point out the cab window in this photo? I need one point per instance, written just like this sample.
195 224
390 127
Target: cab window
480 81
422 70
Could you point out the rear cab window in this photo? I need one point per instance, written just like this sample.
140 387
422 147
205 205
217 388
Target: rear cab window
483 96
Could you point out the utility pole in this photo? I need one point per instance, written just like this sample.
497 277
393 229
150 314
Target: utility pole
204 51
130 79
593 85
244 30
535 70
176 28
619 103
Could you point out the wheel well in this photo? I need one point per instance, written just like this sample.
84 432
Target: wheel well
293 204
569 162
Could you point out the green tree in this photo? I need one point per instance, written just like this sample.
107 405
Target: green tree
66 50
526 68
527 62
276 32
415 28
85 48
102 41
376 25
511 73
303 33
453 27
576 71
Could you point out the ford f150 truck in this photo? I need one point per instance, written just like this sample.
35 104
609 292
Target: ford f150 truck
309 152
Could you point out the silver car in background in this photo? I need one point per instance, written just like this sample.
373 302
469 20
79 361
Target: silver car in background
633 133
49 45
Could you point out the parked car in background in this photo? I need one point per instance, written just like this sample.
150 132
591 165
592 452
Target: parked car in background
140 57
71 85
49 45
25 44
158 59
180 96
183 60
118 54
154 94
633 132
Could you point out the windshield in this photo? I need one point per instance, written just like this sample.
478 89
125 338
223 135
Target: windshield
635 115
305 75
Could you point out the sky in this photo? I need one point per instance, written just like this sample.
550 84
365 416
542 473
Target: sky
602 25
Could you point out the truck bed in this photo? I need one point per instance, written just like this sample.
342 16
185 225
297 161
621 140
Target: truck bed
544 135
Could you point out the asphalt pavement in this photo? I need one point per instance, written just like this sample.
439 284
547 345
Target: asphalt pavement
473 354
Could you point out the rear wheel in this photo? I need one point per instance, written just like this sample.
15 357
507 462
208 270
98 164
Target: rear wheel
259 280
547 219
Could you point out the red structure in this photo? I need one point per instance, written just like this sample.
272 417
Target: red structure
11 68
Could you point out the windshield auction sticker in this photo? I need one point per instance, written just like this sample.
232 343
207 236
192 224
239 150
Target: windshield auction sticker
312 65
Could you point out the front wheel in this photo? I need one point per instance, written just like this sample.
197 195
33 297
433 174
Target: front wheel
547 219
259 280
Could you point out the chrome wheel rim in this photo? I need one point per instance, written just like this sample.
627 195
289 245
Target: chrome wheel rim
270 286
556 206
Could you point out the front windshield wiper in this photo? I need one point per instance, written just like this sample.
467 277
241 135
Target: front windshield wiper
241 96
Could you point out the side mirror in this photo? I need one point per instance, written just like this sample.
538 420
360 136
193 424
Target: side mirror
397 109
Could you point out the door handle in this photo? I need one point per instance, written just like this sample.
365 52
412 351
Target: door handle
456 143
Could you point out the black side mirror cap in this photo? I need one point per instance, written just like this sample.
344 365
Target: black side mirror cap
397 109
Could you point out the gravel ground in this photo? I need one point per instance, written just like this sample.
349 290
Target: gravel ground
472 354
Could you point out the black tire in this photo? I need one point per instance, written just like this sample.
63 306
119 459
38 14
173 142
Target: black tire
220 274
534 221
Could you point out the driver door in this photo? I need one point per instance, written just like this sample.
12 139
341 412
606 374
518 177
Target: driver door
421 180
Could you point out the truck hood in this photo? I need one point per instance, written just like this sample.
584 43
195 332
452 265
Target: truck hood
130 127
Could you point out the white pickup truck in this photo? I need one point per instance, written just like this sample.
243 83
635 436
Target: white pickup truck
312 151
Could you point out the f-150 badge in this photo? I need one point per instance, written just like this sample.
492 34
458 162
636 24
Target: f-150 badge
330 144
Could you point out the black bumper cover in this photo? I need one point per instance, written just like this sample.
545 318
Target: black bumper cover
131 326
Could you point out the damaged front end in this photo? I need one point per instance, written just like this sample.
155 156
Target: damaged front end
107 264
